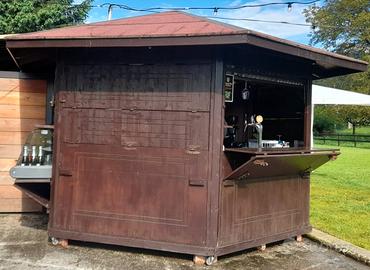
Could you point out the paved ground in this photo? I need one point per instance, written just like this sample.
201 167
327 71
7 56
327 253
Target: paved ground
23 245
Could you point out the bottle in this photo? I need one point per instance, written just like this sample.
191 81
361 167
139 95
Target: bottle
40 156
25 156
33 155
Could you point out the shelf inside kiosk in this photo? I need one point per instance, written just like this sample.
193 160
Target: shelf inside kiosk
256 108
33 170
264 130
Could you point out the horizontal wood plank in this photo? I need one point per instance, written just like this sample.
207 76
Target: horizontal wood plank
15 137
24 112
10 151
19 205
22 106
11 192
14 124
6 164
6 179
23 85
22 98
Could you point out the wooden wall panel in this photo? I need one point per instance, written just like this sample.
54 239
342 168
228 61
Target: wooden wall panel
16 124
26 112
13 137
22 106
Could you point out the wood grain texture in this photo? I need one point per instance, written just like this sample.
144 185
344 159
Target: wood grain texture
5 179
6 164
13 137
22 98
14 124
22 106
21 85
24 112
10 150
11 192
19 205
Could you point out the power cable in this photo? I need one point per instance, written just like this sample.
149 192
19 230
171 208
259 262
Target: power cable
257 20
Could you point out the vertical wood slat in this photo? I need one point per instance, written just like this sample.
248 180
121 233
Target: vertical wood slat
22 106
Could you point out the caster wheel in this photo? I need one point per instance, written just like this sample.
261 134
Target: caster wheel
299 238
54 241
211 260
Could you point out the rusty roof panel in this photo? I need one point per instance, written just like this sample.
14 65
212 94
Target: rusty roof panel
173 28
161 24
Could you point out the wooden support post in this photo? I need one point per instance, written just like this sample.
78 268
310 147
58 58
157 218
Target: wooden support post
199 260
338 140
262 248
299 238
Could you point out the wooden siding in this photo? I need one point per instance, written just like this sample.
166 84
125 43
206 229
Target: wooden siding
22 106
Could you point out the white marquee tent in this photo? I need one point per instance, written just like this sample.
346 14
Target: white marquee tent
333 96
327 95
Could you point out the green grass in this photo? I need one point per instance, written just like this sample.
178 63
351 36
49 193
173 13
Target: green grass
359 131
334 144
340 196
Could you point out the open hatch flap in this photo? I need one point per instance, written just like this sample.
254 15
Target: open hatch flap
39 192
281 165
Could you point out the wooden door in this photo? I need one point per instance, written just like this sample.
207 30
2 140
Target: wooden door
132 153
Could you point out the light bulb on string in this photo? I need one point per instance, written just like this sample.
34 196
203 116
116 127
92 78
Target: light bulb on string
290 7
215 10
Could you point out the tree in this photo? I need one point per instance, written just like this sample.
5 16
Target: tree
19 16
343 26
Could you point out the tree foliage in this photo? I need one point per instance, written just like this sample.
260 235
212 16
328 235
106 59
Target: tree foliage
19 16
343 26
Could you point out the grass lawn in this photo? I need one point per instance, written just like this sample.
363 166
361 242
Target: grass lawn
359 131
340 196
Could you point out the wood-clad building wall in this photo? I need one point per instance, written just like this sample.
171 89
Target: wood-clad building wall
22 106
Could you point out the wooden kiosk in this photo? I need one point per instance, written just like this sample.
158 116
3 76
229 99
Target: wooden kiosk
141 122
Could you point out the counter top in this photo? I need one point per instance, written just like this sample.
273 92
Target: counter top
272 151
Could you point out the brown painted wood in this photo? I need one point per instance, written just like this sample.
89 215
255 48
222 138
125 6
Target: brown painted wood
126 158
250 38
138 152
307 114
215 138
262 209
279 165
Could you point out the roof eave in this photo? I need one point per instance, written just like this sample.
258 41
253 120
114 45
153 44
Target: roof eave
251 38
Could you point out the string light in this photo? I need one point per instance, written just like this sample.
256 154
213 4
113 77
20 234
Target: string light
214 9
290 7
122 6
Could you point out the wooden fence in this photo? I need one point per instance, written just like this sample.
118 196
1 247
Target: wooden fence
338 138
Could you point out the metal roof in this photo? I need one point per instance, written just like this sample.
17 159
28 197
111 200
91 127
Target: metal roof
173 28
163 24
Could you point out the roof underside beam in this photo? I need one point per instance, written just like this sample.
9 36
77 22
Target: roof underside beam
326 60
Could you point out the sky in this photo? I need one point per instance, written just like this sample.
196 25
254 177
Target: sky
276 13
